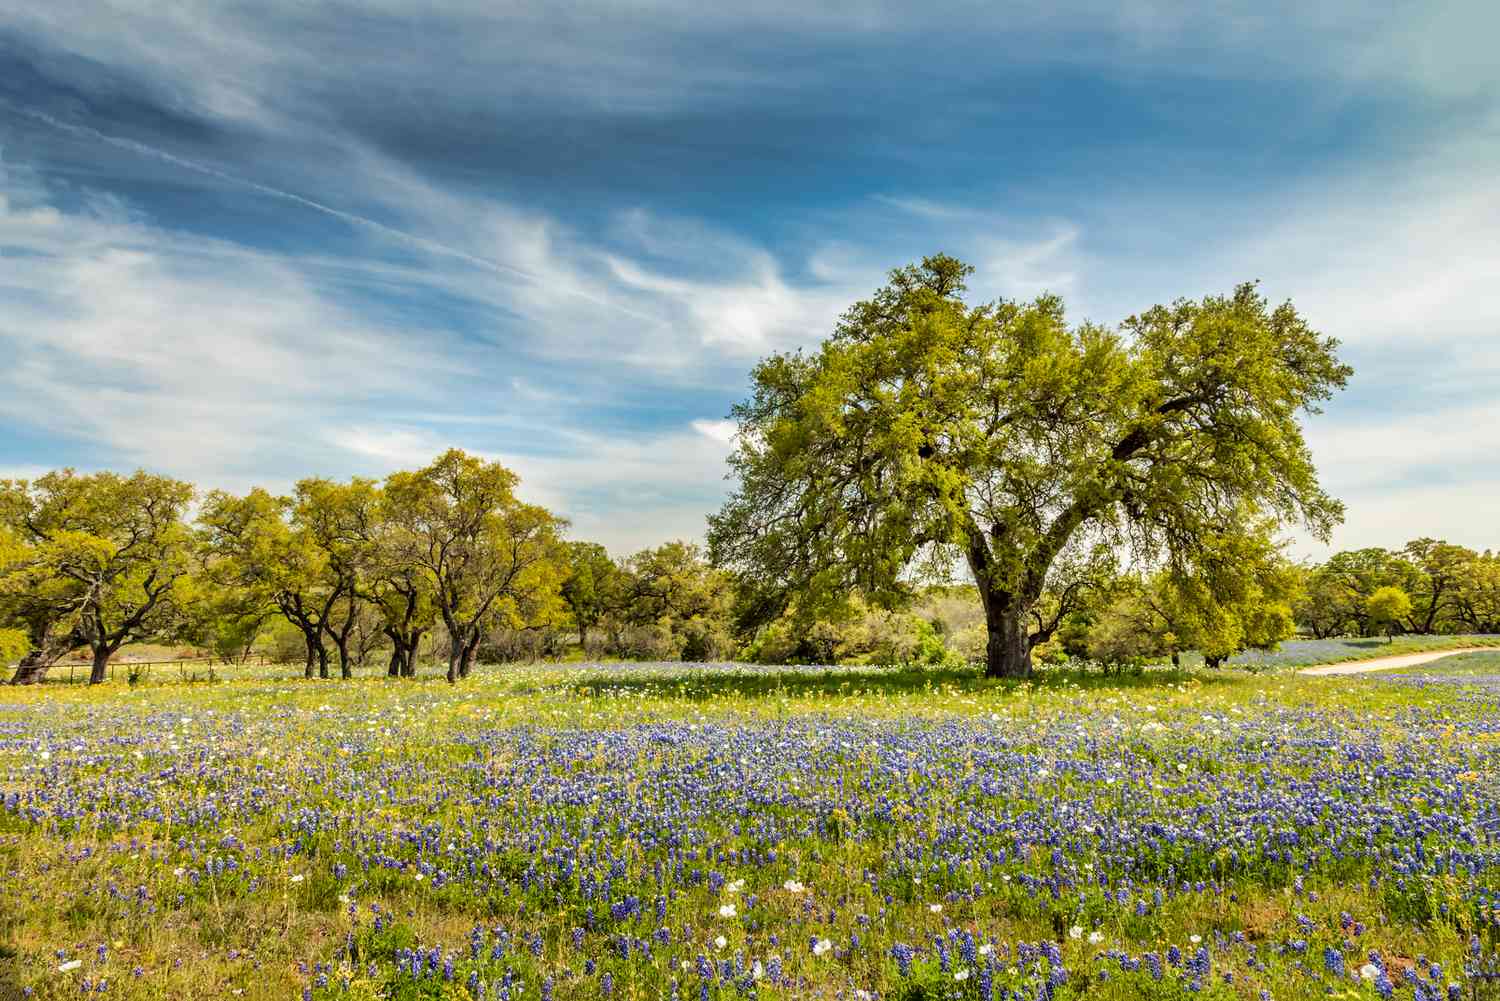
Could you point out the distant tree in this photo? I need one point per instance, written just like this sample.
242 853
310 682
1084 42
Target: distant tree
38 609
489 557
15 642
1236 595
1386 608
673 590
1127 632
1437 569
403 595
1477 602
227 621
926 429
249 544
338 520
593 587
112 550
1323 607
1338 591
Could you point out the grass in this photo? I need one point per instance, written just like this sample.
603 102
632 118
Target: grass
577 830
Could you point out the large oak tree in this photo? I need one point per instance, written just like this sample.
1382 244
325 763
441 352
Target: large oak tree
106 560
250 544
490 558
929 428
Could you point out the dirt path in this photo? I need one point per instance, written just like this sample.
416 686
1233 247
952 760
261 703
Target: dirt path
1386 663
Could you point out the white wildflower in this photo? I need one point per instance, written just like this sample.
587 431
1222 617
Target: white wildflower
70 965
727 911
821 946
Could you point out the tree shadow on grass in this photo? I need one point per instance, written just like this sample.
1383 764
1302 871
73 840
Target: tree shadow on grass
795 682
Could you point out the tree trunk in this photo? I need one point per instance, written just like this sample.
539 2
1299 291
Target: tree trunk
1007 653
455 652
394 670
307 670
322 662
346 669
101 664
32 670
413 645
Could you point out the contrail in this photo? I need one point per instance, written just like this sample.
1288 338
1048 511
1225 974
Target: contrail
354 219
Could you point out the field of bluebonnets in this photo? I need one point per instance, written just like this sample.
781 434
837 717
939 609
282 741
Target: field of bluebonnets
661 831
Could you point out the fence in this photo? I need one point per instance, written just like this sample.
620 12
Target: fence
182 664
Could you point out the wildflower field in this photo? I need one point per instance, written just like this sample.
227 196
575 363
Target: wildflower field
667 831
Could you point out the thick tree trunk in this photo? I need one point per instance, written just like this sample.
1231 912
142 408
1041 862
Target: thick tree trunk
394 669
346 669
101 665
32 670
323 662
1008 650
413 644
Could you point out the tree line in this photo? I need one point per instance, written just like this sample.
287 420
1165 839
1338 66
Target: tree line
1116 492
449 555
1428 586
101 560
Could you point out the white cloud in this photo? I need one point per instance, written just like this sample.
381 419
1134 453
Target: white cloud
626 492
720 431
175 351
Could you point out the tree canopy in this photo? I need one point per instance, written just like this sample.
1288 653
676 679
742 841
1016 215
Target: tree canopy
925 429
488 555
106 558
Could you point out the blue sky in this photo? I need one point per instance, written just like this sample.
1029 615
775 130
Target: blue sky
244 243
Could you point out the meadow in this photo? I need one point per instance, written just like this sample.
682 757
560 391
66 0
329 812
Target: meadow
680 831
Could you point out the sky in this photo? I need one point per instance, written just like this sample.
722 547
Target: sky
243 243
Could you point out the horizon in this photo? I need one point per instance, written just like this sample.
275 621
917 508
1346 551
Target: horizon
246 249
